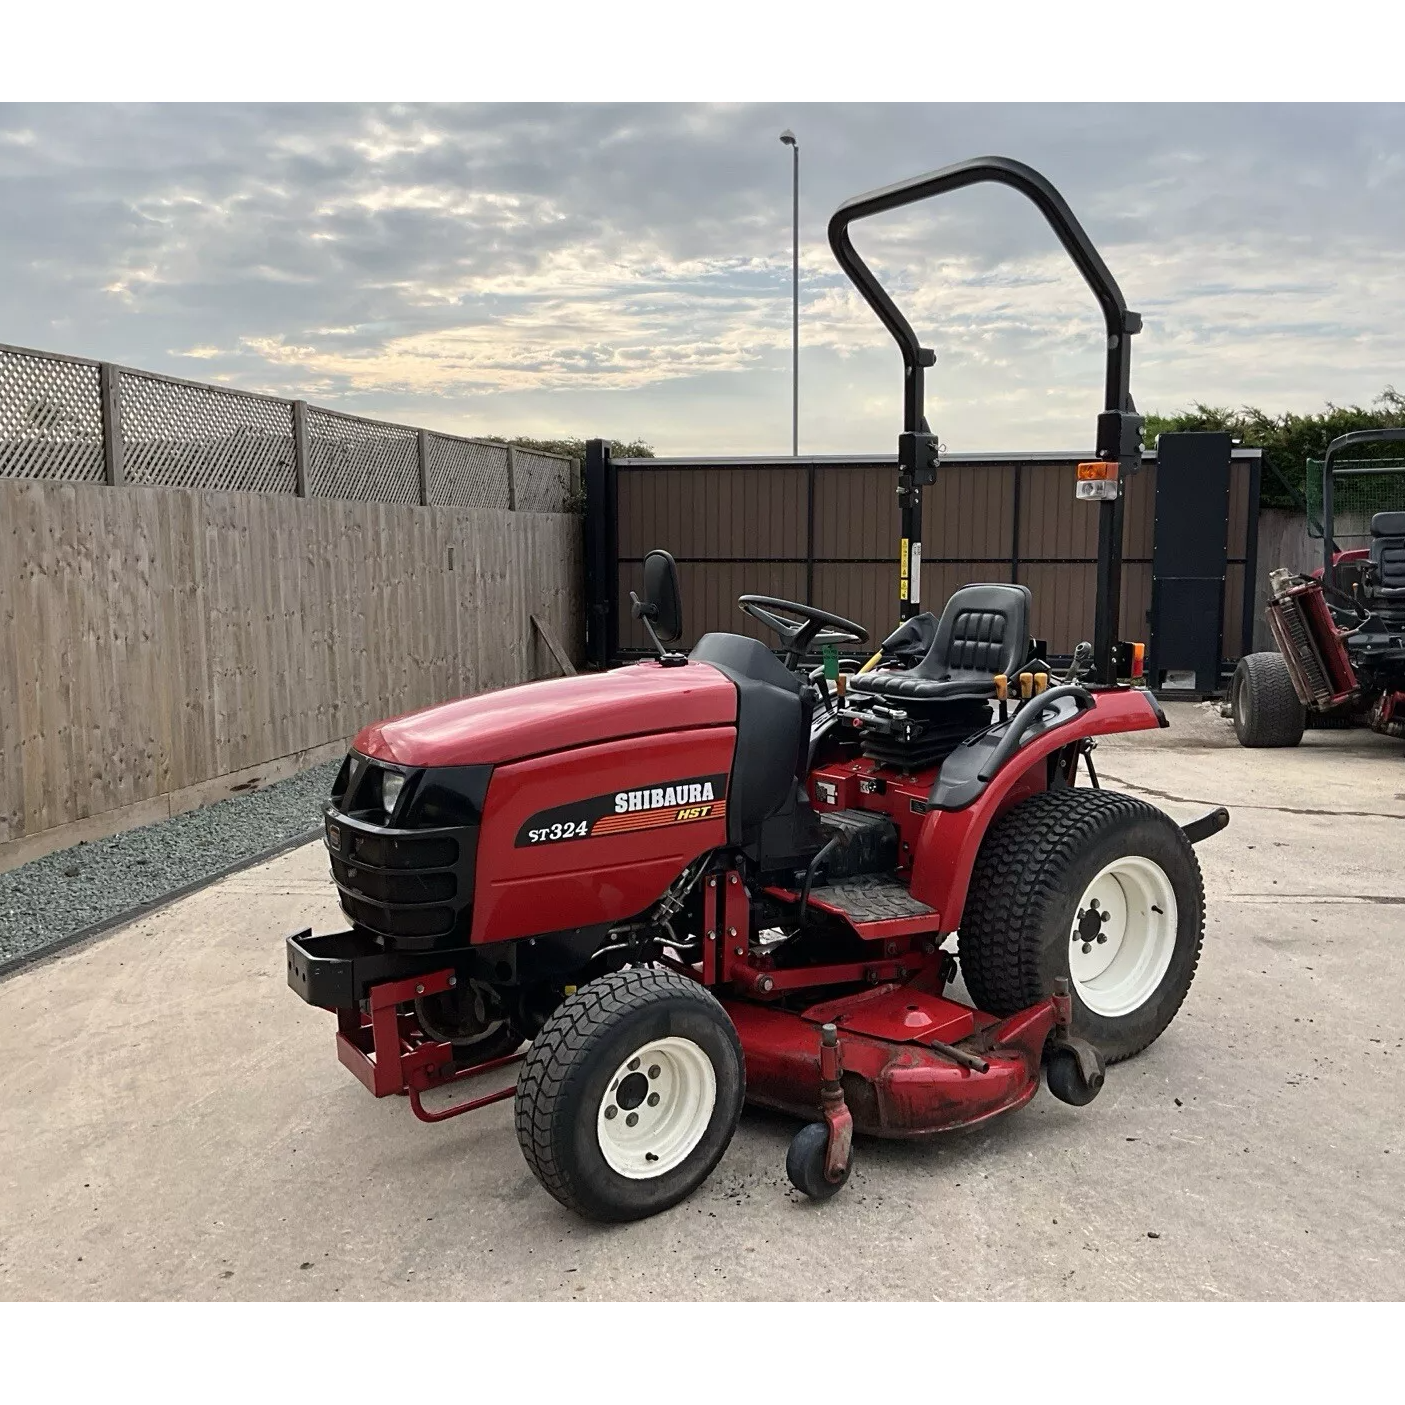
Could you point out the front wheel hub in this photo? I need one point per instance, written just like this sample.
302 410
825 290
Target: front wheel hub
656 1107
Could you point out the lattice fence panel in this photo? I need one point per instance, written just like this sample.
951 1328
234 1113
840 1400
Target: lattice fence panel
543 482
179 435
462 473
50 417
362 459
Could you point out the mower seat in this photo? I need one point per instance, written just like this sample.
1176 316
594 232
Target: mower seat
1388 554
984 630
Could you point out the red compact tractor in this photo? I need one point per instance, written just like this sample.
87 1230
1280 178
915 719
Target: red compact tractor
726 876
1341 631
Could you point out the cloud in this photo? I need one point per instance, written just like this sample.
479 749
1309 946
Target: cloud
627 269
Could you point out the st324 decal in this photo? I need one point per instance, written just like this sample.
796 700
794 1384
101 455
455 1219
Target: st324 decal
670 802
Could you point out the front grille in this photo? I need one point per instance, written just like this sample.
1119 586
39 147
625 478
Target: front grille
405 852
419 924
392 886
400 875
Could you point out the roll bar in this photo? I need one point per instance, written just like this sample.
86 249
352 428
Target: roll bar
1001 170
1119 427
1343 441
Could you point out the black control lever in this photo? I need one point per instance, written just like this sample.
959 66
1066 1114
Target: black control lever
1082 662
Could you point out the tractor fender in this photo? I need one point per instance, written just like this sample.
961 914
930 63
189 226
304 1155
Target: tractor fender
951 838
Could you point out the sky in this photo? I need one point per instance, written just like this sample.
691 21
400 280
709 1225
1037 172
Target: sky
625 270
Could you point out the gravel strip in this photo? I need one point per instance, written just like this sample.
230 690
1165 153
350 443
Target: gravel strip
47 900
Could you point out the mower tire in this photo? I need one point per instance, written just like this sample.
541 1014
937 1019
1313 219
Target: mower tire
630 1094
805 1158
1265 706
1095 886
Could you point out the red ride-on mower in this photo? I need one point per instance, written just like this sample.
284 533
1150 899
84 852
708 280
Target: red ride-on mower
1341 631
706 879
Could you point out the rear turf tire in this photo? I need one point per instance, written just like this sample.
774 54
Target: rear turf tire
1265 707
576 1096
1070 851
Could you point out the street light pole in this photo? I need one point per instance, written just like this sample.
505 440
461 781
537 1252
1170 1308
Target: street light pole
788 138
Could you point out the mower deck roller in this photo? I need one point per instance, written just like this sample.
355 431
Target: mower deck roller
705 879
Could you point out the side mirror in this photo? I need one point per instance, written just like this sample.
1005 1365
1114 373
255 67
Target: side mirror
662 597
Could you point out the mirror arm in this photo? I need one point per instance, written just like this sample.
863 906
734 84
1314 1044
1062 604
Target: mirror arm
645 614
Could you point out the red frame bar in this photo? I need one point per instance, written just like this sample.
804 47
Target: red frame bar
391 1054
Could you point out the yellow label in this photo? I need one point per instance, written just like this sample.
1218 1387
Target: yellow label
902 569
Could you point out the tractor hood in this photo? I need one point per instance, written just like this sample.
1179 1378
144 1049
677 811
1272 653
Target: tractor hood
555 715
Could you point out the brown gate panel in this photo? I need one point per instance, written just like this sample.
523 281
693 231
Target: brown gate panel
967 515
729 513
855 514
825 529
1054 525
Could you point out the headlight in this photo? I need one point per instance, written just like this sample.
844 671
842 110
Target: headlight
392 783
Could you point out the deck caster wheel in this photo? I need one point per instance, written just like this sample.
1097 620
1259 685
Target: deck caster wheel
804 1162
1074 1080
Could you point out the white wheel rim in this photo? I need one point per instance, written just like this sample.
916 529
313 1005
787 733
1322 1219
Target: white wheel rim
1123 936
656 1108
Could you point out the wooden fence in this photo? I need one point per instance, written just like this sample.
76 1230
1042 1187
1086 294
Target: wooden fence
162 647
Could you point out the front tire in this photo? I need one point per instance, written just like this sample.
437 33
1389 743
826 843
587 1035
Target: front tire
1094 886
1264 704
630 1094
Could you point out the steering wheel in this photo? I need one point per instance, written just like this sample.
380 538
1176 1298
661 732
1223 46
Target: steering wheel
796 635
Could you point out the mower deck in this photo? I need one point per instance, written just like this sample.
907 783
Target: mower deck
915 1062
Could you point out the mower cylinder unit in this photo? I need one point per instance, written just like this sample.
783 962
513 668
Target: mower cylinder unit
1311 647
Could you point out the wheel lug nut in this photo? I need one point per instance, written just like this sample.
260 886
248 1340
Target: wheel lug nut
631 1119
611 1112
654 1070
1102 937
633 1064
1087 947
653 1099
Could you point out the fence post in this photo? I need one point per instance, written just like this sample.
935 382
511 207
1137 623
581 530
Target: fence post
511 479
423 448
602 554
300 448
810 534
109 396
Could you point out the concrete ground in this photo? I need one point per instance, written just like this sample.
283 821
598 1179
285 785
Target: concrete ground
175 1123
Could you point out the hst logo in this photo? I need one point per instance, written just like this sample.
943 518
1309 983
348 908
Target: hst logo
664 797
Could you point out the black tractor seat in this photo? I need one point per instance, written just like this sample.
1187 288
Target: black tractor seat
1388 556
983 631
